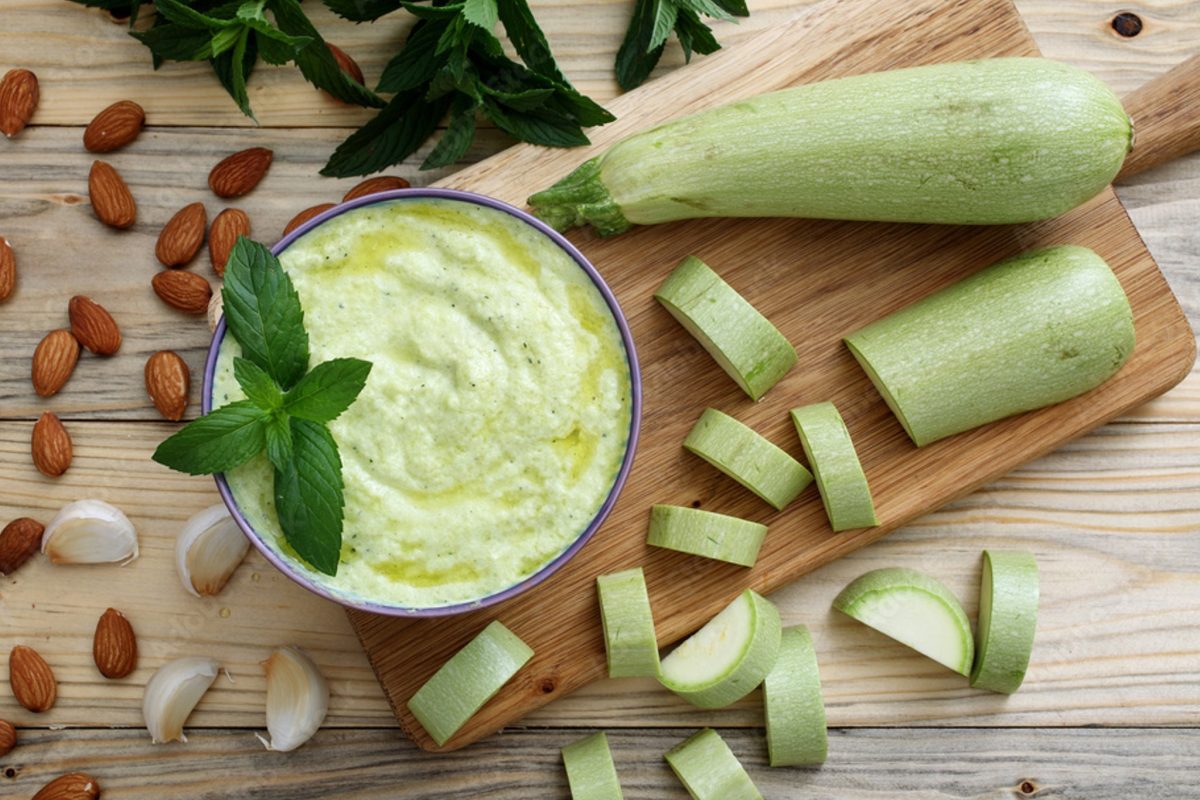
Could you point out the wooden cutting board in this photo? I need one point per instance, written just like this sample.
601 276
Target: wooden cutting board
817 281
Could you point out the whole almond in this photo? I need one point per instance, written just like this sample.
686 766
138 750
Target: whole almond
72 786
19 540
383 183
346 64
18 100
305 215
182 236
223 235
112 202
51 445
237 174
8 737
54 361
8 269
93 327
31 679
168 382
114 127
114 647
185 291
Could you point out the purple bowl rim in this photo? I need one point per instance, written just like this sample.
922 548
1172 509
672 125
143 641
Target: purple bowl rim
285 566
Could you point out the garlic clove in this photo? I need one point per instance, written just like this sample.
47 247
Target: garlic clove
209 548
173 693
90 532
297 698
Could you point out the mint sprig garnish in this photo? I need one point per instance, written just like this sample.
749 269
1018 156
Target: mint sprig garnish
286 408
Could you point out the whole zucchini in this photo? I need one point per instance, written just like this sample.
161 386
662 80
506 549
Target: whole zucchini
975 142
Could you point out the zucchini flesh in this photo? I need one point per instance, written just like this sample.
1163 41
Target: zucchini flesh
991 141
1008 602
1028 332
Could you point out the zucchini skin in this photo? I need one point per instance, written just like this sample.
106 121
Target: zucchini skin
985 142
1027 332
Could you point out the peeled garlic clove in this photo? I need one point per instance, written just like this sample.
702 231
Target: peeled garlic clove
90 532
208 550
297 698
172 694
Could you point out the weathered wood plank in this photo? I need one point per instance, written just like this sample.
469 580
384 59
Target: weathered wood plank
1069 764
1112 518
48 36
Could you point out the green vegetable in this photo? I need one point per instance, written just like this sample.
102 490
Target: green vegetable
728 658
795 711
709 770
915 610
468 680
748 458
1008 601
653 21
840 478
705 533
629 640
590 770
1030 331
978 142
744 342
286 408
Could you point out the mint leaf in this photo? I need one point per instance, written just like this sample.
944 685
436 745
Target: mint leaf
481 12
280 448
263 313
392 135
316 63
185 15
417 63
259 387
652 22
175 43
309 496
458 136
362 10
327 390
118 8
219 441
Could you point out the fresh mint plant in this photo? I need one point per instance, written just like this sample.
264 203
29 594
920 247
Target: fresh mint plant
653 21
286 408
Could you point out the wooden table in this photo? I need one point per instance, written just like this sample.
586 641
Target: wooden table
1112 702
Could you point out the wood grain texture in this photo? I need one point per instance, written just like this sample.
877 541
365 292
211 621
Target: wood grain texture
817 281
1166 118
998 764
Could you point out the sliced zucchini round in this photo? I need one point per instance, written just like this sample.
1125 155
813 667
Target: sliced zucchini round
748 458
795 710
629 639
705 533
1008 603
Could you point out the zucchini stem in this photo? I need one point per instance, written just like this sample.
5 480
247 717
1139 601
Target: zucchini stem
580 199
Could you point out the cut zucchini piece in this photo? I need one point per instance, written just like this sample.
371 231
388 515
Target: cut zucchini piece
748 458
1008 604
629 639
705 533
590 770
728 658
709 770
468 680
744 342
795 711
840 477
915 610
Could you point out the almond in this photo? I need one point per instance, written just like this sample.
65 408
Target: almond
185 291
305 215
114 647
223 235
18 100
72 786
112 202
182 236
8 269
237 174
51 445
168 382
54 361
114 127
93 327
384 183
19 540
31 679
8 737
346 64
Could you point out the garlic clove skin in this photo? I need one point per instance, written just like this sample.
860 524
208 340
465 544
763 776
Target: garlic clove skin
90 532
297 699
173 693
208 551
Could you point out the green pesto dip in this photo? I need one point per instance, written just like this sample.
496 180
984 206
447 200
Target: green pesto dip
497 413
